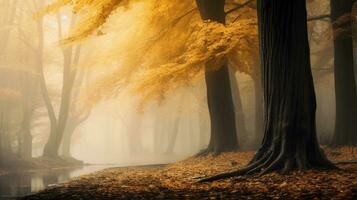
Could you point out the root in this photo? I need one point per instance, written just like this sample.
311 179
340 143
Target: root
210 151
252 168
271 162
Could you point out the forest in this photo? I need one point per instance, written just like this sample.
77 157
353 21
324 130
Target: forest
169 99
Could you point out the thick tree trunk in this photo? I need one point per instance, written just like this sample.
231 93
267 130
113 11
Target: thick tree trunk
290 134
345 87
354 37
219 96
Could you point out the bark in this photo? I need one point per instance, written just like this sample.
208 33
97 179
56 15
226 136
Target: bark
219 96
354 37
259 110
290 140
345 87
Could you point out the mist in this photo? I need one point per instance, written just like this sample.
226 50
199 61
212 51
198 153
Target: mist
120 84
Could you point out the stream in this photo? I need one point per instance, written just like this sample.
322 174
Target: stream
17 184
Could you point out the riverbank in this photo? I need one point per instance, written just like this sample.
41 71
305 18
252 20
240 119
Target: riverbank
14 163
178 181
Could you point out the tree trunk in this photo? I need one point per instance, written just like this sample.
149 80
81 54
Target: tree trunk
174 130
354 37
54 142
25 146
345 85
69 74
158 131
241 128
48 151
67 138
219 96
290 134
173 137
134 135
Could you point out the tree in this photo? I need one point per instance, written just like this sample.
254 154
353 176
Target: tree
241 128
78 112
219 95
156 72
345 85
58 124
290 134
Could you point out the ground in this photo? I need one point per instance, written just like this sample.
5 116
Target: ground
179 181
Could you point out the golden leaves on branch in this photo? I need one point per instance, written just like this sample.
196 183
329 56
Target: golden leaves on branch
208 48
167 48
95 14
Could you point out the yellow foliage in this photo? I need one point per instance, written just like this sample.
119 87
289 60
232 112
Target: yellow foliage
94 12
160 45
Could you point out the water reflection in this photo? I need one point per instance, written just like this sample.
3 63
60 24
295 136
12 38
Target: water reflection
24 183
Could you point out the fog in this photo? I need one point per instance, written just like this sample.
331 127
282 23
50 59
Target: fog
117 129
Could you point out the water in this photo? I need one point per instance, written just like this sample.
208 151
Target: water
17 184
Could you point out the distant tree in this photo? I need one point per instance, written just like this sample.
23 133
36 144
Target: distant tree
58 123
345 85
219 93
78 112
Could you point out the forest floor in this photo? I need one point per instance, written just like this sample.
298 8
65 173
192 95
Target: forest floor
178 181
